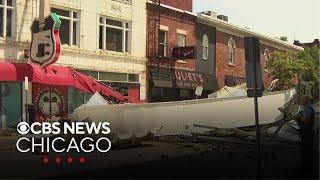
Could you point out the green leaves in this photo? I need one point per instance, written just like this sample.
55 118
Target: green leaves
291 68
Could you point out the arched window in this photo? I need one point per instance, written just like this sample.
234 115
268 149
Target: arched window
205 47
266 58
231 51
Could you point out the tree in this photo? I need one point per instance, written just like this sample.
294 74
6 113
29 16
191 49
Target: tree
284 38
311 76
295 69
286 67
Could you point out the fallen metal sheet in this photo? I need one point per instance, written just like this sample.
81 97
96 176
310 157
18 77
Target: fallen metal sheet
96 99
173 118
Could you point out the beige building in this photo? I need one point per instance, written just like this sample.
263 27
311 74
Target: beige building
104 39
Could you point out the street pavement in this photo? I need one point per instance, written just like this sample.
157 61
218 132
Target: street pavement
155 159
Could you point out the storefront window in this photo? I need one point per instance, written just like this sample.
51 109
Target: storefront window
122 90
111 76
133 77
10 104
184 93
104 76
76 98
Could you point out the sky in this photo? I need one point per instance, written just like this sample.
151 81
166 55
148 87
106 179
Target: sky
296 19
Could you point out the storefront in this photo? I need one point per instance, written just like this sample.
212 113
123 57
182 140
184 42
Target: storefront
10 104
126 84
53 93
173 84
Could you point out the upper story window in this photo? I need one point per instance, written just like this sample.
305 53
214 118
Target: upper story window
163 43
205 47
114 35
6 18
231 51
182 40
70 25
266 58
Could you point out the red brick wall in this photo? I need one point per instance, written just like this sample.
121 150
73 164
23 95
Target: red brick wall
172 38
185 5
177 20
238 69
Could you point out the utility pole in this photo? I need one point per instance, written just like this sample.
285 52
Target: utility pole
255 86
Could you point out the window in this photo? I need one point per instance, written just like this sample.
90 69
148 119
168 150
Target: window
6 18
163 43
205 47
231 51
11 100
181 40
111 76
133 78
114 35
69 29
266 58
232 81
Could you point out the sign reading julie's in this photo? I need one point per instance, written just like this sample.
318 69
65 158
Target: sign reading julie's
188 79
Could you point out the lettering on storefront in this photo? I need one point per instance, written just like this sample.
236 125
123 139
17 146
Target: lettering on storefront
174 78
188 79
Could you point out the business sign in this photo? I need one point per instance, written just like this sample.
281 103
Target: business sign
45 45
187 79
186 52
176 78
50 102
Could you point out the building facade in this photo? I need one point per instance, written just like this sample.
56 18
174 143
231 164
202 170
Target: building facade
171 52
185 5
171 61
220 49
315 43
103 39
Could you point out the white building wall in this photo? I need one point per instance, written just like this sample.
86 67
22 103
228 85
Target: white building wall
87 55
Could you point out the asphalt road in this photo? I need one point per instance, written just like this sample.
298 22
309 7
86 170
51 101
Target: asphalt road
155 160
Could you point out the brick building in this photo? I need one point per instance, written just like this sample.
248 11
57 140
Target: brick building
170 51
220 49
185 5
316 43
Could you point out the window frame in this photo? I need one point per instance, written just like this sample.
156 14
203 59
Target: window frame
99 78
165 43
5 9
185 39
205 47
71 20
231 52
266 59
126 48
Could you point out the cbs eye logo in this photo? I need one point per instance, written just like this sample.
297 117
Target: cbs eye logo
23 128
